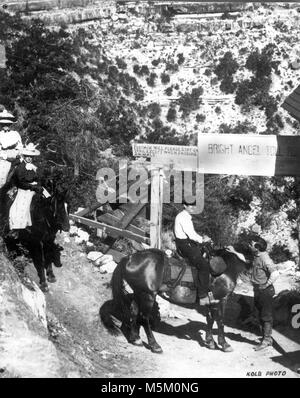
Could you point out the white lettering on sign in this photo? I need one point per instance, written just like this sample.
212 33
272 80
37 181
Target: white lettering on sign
179 156
245 154
153 150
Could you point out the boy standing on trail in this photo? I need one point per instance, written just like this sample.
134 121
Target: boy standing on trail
263 275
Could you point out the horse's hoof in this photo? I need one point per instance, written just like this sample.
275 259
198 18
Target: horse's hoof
51 279
210 344
156 349
138 343
226 348
44 287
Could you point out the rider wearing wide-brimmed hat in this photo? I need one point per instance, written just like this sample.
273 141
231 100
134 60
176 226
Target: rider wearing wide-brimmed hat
10 144
27 182
187 243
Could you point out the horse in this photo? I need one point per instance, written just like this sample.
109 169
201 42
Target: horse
146 273
49 215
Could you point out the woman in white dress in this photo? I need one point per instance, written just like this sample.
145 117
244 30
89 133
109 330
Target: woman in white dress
10 145
27 181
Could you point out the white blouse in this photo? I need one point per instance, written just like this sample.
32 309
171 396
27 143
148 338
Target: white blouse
10 139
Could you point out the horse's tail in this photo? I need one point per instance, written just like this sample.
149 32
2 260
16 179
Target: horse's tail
120 296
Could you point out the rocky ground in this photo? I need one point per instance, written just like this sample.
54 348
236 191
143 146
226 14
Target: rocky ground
77 345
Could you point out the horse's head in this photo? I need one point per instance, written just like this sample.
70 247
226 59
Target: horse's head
59 204
60 209
56 254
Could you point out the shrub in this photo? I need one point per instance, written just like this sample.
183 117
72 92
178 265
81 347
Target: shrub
154 110
218 110
280 253
155 62
260 63
151 79
144 70
136 69
226 67
181 59
200 118
228 86
165 78
169 91
190 102
121 64
172 67
171 115
214 81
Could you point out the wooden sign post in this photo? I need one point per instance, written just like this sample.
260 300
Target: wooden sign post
156 208
177 157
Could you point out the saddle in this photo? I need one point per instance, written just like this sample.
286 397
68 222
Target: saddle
217 264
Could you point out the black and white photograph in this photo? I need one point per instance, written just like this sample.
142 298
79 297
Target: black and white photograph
149 192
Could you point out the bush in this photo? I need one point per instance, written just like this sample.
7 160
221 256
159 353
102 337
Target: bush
154 110
214 81
200 118
171 115
169 91
151 79
121 64
165 78
136 69
280 253
218 110
190 102
181 59
260 63
226 67
155 62
228 86
172 67
144 71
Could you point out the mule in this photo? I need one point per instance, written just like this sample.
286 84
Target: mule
146 273
49 215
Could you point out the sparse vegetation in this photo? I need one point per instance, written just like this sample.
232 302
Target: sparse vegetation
165 78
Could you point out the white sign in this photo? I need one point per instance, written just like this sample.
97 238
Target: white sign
245 154
178 156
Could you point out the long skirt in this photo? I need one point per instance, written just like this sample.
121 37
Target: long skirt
4 170
19 214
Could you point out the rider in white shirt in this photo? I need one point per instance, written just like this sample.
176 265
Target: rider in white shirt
187 243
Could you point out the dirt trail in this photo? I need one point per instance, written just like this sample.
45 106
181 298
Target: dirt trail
87 350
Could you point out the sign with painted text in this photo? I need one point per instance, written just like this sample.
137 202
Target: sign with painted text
178 156
248 154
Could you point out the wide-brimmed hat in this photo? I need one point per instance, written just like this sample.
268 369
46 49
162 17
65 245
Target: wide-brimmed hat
6 117
30 150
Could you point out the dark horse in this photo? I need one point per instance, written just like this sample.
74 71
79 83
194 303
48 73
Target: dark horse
49 215
145 272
